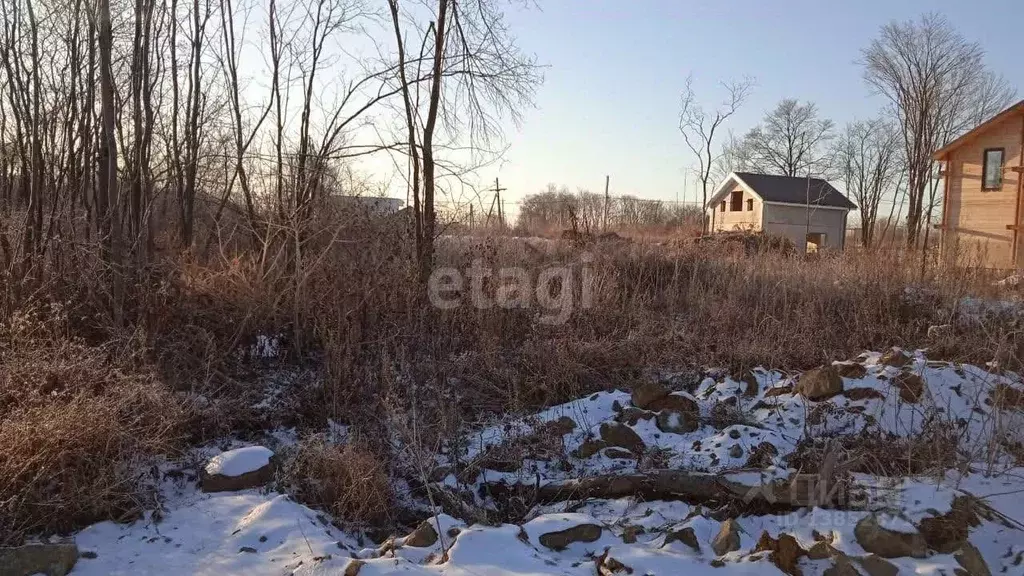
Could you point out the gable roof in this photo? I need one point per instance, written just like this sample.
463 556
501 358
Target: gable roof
786 190
980 129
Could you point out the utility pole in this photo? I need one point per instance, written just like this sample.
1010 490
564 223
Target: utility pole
497 200
606 182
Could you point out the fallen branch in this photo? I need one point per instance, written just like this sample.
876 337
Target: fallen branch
457 507
802 490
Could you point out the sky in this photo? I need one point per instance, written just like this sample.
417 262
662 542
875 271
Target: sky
615 69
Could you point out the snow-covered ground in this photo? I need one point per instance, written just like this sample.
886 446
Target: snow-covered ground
263 532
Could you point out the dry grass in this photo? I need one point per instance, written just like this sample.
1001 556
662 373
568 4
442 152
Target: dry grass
87 402
932 452
78 426
347 480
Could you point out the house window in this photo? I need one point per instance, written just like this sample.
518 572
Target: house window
992 169
723 205
737 201
750 205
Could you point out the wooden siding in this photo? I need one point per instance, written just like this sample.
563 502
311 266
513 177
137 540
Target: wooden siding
978 218
795 222
742 220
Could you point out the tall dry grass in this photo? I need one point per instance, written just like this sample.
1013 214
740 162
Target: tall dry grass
88 401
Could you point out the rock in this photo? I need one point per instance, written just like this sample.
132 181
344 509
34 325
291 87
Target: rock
841 567
971 560
911 387
616 406
851 370
820 551
561 427
620 453
716 563
607 565
629 533
633 415
677 402
589 447
673 422
946 533
876 566
939 331
561 539
819 383
863 394
686 536
239 469
888 543
895 357
762 456
247 550
615 434
728 538
423 536
785 552
353 567
647 393
736 451
749 381
49 559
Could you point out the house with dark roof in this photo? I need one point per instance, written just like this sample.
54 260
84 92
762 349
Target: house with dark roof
983 186
808 211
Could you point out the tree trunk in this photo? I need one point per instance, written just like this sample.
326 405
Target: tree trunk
108 162
429 184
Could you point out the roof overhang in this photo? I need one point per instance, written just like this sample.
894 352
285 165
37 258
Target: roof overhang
980 129
812 206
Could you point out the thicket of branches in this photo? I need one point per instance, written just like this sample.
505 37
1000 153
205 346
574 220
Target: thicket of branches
130 128
557 209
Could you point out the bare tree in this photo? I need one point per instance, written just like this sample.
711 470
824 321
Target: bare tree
475 74
868 158
931 75
108 189
734 158
243 135
699 127
792 140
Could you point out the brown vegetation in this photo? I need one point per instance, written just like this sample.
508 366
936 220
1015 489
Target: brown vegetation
369 345
346 480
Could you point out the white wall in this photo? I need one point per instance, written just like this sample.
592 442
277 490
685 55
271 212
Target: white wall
742 220
792 222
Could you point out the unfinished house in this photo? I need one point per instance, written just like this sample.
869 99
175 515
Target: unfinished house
808 211
981 208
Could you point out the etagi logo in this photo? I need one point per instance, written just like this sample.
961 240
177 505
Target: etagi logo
556 291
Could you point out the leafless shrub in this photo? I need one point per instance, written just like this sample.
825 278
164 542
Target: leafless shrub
78 426
934 451
347 480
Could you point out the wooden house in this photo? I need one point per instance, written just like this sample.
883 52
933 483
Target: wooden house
981 208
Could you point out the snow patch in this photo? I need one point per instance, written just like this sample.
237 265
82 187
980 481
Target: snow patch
239 461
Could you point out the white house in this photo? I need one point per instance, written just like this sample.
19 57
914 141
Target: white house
808 211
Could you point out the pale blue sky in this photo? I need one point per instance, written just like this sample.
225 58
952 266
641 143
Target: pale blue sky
610 99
